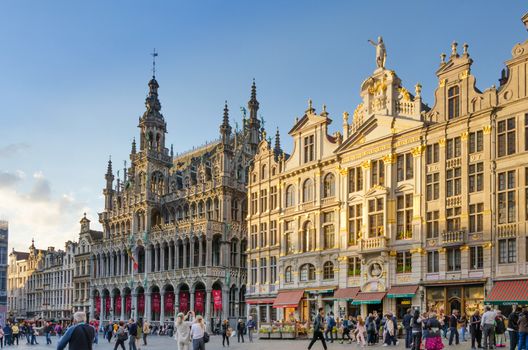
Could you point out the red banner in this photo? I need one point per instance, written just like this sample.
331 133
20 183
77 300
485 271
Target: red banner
199 301
117 305
217 299
98 304
107 304
156 298
184 302
128 303
141 303
169 303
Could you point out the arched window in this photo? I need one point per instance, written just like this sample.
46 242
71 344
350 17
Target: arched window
307 191
453 102
329 186
307 272
290 196
263 172
288 275
328 270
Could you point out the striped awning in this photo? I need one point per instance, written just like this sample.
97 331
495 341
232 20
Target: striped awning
368 298
509 292
346 293
288 298
402 291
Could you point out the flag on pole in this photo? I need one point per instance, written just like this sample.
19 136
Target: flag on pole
131 256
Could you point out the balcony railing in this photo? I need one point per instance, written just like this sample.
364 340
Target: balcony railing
454 201
458 236
407 234
374 243
507 230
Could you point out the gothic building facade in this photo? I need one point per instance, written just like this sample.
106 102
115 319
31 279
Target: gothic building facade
405 206
174 231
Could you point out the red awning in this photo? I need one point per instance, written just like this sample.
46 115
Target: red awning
369 298
259 301
288 298
509 292
346 293
402 291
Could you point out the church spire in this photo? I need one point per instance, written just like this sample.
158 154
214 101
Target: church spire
253 104
133 146
225 128
277 148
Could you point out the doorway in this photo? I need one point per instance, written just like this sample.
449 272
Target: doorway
375 307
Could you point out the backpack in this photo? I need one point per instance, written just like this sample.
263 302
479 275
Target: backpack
500 328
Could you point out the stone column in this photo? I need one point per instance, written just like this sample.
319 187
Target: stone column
176 255
103 308
176 302
225 303
156 258
112 310
171 258
162 307
191 307
123 263
134 312
209 252
208 307
200 249
184 255
191 253
148 259
92 307
148 313
123 307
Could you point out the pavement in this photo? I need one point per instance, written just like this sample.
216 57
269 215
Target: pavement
167 343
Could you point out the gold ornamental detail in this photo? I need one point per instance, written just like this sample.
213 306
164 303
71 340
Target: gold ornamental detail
442 142
486 129
464 136
390 158
366 164
442 82
464 74
417 151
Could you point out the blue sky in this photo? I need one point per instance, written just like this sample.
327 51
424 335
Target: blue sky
74 79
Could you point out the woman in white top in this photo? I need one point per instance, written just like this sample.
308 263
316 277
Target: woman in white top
183 331
197 333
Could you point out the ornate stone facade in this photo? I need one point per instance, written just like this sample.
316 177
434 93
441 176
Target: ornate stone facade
174 226
412 206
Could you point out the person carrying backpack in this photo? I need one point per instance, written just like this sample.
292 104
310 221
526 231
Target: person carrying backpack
330 324
122 335
513 327
500 329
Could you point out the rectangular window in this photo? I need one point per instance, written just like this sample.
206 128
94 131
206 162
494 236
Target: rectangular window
254 271
254 202
476 177
476 142
454 147
253 237
433 186
328 230
377 173
432 154
506 197
263 235
355 179
405 167
453 259
355 222
526 195
526 132
375 215
263 271
506 137
288 242
432 224
433 261
263 200
453 218
309 148
273 269
273 197
403 262
404 215
354 266
476 217
476 258
507 251
453 181
273 233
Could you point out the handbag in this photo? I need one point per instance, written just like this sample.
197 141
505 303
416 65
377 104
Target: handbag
206 337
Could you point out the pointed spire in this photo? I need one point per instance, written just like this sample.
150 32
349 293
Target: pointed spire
277 148
225 122
133 146
253 106
225 128
310 109
172 151
109 167
324 113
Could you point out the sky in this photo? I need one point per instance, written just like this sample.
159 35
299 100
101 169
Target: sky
74 80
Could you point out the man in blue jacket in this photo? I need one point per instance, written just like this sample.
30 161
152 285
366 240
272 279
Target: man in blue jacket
80 336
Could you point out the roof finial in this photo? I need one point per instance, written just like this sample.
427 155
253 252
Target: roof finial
277 148
310 109
454 49
442 58
253 106
154 54
466 49
324 113
109 167
172 151
134 145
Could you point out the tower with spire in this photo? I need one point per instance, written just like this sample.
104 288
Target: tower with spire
108 190
253 123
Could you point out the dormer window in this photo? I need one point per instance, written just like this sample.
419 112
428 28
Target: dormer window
453 102
309 148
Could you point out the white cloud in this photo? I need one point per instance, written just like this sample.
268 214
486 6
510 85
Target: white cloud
36 213
12 149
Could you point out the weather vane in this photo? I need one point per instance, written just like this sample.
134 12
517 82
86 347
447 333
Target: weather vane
154 54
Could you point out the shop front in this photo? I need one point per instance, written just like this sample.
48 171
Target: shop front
463 296
262 310
507 294
290 303
403 298
369 302
345 296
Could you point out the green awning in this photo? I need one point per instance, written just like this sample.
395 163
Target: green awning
402 291
368 298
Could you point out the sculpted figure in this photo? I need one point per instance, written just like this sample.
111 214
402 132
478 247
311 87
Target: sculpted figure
381 54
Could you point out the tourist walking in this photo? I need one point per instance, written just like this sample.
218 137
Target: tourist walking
361 330
79 336
121 335
318 327
183 331
513 327
132 333
347 327
406 323
453 323
488 327
225 333
434 336
416 330
16 332
1 338
48 328
241 327
476 330
330 323
198 334
500 329
251 325
371 329
523 330
463 326
7 334
390 329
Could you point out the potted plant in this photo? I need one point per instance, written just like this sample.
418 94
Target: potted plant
288 332
275 333
264 332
